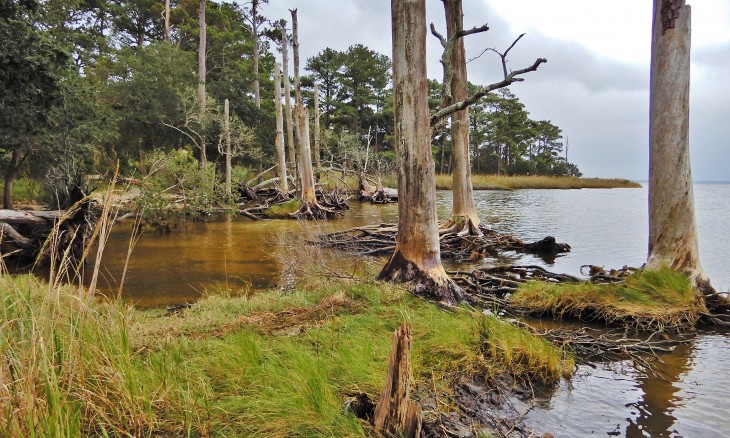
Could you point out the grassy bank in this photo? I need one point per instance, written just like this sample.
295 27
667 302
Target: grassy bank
648 299
501 182
273 364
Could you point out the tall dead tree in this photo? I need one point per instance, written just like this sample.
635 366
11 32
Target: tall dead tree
255 32
287 102
317 133
227 134
166 31
672 226
309 208
417 255
280 154
201 78
464 219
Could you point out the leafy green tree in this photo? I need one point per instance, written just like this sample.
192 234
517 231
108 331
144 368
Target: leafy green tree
32 68
326 68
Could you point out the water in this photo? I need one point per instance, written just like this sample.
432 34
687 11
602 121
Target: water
685 394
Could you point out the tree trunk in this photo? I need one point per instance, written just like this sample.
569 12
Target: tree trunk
464 219
417 254
167 21
317 137
305 159
396 414
287 104
11 174
227 130
297 92
201 81
255 31
672 227
280 155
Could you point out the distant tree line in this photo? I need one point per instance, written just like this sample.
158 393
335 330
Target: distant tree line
84 84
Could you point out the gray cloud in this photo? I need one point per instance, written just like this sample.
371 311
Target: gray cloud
600 103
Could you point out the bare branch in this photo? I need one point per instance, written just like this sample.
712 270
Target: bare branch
441 38
483 91
473 30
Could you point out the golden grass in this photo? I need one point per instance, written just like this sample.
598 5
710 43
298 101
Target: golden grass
501 182
648 299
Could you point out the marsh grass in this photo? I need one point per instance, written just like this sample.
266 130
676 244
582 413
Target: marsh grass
276 363
662 299
502 182
284 209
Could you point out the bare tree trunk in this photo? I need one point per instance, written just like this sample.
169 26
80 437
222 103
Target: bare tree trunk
672 227
464 219
317 135
227 130
417 254
295 47
280 154
287 102
201 80
255 31
396 414
305 161
167 21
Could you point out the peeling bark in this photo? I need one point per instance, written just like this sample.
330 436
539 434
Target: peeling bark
280 154
287 104
673 238
201 78
417 254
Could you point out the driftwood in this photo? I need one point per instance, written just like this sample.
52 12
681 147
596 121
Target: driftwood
377 194
378 240
395 413
29 216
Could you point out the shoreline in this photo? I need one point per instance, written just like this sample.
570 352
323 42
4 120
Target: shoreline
500 182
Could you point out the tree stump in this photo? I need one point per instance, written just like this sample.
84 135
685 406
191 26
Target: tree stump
395 413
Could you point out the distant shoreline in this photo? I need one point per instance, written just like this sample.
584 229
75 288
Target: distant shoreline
500 182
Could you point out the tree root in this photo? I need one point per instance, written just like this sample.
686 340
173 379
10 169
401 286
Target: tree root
436 286
313 211
379 240
462 226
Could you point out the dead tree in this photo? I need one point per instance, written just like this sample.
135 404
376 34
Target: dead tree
309 208
672 226
464 219
201 77
396 414
417 255
227 134
166 30
317 133
255 32
280 155
287 102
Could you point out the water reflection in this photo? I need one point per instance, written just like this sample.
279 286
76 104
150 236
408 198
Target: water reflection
660 398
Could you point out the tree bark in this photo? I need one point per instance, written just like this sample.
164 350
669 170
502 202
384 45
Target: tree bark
166 34
227 131
298 107
305 159
280 154
255 31
672 226
464 219
395 413
287 102
201 80
417 254
317 137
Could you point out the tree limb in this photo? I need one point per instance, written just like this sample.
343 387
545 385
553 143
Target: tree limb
509 78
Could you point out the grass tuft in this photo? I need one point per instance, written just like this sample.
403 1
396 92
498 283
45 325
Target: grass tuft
284 209
662 299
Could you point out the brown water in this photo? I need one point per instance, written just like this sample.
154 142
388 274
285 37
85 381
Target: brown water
684 395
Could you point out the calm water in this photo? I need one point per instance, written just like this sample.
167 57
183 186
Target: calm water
686 394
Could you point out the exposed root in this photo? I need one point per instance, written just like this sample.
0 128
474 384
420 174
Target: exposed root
312 210
462 226
378 240
436 286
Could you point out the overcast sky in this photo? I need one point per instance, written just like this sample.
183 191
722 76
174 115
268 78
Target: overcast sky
595 84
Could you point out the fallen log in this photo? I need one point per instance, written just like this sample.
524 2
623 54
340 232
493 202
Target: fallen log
29 216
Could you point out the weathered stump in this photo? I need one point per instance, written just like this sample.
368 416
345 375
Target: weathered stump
395 413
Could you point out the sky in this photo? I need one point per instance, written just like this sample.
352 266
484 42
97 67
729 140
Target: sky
595 85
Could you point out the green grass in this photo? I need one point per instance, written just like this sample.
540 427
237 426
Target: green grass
663 298
501 182
271 364
284 209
